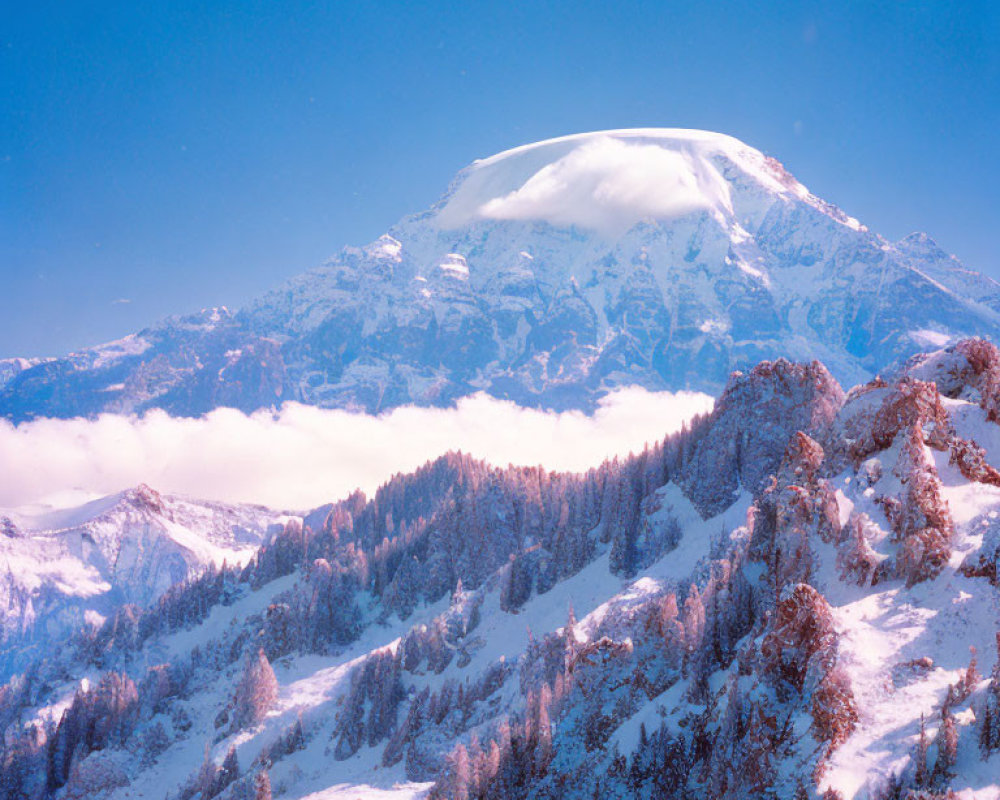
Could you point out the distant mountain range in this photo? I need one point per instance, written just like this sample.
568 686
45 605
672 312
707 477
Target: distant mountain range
548 275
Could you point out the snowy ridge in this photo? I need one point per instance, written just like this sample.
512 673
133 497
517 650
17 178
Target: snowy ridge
906 647
64 566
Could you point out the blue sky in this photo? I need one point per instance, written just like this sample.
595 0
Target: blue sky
182 155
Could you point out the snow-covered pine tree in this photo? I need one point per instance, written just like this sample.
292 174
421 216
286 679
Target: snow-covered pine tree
947 747
256 692
920 773
262 786
970 678
988 714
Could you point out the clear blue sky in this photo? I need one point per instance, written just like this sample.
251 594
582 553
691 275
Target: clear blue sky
182 155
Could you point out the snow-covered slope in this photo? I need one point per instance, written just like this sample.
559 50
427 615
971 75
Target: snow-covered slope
779 602
548 274
62 567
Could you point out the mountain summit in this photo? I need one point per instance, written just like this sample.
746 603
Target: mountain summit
550 274
612 180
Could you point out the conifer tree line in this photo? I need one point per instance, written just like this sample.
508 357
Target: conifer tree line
455 519
756 618
455 522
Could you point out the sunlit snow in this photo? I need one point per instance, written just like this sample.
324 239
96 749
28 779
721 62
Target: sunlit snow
608 181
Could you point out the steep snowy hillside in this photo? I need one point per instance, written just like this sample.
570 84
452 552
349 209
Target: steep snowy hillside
795 597
547 275
61 568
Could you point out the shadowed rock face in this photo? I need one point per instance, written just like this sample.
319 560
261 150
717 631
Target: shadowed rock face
547 305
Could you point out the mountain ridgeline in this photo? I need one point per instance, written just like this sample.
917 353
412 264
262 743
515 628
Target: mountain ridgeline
549 275
795 596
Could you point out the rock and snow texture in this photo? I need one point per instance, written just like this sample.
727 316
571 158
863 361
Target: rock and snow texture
549 274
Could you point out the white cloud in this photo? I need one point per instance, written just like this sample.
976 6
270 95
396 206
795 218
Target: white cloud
609 185
602 182
304 456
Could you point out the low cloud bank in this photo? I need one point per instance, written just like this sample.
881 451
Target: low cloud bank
303 456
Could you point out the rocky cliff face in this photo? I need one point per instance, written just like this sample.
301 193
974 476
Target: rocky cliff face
550 274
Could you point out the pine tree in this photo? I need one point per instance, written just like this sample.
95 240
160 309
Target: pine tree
733 721
920 760
262 786
228 773
460 774
693 619
569 634
971 677
543 728
757 768
205 780
986 733
989 713
256 692
296 738
570 628
947 746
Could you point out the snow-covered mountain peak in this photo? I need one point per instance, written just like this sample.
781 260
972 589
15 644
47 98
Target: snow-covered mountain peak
61 516
549 275
608 181
65 563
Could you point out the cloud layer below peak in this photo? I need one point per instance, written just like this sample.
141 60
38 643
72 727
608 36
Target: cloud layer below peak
304 456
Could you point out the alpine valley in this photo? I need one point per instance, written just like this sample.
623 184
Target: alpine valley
795 596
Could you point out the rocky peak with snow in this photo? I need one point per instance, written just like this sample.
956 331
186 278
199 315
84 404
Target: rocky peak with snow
61 567
549 274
